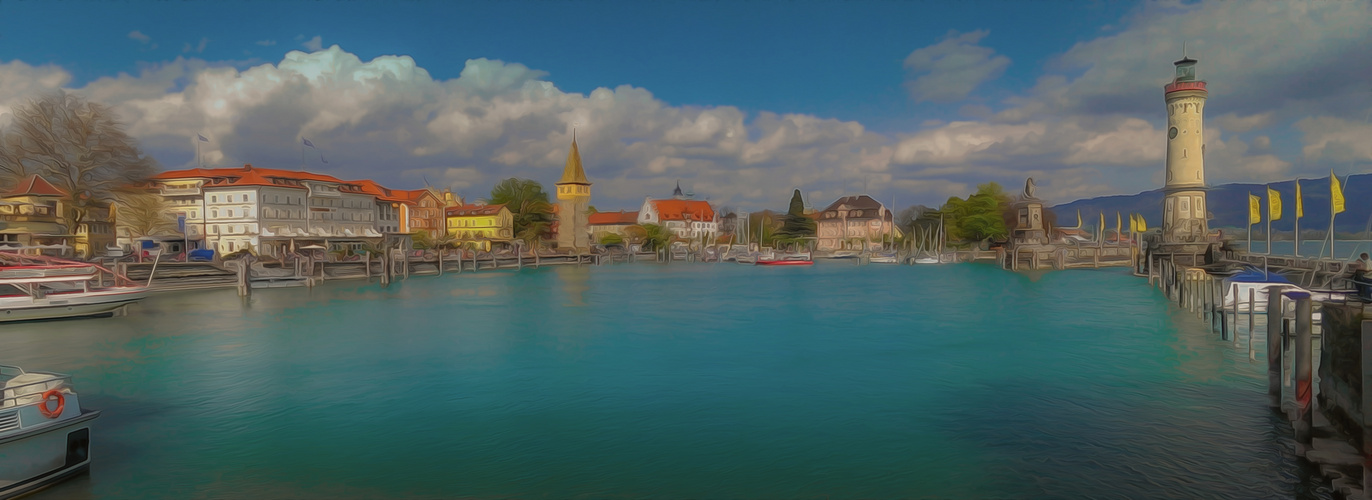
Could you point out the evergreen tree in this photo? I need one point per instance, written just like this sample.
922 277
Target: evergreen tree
795 226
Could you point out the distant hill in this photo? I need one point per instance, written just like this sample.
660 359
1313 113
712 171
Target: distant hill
1229 206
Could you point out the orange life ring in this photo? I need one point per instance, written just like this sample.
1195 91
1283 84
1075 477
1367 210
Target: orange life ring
61 404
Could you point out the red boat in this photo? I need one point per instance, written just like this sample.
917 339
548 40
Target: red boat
784 263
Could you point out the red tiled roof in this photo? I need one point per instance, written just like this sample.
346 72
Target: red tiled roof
475 210
35 185
414 195
611 218
254 176
679 209
380 192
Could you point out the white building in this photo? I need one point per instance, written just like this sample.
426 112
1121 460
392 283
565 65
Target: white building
271 211
689 220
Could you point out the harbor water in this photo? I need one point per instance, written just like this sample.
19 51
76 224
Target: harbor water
672 381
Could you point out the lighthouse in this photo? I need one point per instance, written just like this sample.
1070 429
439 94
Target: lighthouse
1184 207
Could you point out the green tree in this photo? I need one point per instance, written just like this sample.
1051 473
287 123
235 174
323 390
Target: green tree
528 203
979 217
79 146
795 226
652 236
611 239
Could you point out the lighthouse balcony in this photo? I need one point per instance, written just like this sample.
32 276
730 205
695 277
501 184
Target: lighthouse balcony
1180 86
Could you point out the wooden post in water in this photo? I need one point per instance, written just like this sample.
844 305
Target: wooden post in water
1235 323
1303 375
1252 311
1274 346
1367 407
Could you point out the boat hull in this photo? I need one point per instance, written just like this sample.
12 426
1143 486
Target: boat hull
784 263
34 460
68 305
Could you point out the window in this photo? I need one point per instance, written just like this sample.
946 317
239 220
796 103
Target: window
230 199
214 212
230 213
214 199
194 215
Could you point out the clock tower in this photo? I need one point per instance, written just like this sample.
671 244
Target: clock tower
1184 207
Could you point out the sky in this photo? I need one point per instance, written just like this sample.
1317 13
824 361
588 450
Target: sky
741 102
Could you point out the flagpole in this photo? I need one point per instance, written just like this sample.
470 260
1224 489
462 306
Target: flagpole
302 155
1269 220
1299 206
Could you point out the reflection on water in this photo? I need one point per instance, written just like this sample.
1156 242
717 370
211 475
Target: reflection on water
676 381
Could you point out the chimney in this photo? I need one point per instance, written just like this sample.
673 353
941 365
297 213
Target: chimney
247 166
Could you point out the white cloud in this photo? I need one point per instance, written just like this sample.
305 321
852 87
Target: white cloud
139 36
1335 140
266 43
1091 125
949 70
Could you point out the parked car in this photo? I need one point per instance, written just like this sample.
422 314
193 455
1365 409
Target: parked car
202 255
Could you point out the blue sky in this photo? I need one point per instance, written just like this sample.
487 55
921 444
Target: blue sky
913 100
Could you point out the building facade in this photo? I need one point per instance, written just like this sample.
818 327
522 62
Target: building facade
30 215
1184 205
271 211
855 223
422 211
481 226
689 220
573 202
607 223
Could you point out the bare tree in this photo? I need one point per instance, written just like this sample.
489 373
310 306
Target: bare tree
79 146
144 214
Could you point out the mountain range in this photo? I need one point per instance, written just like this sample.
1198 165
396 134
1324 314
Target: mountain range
1228 205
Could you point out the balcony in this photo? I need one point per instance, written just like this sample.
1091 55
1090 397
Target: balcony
180 191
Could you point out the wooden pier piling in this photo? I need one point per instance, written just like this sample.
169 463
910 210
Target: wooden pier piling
1274 349
1367 407
1252 311
1304 386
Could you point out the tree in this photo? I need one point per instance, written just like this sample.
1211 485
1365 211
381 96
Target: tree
979 217
79 146
528 203
652 236
795 226
144 214
611 239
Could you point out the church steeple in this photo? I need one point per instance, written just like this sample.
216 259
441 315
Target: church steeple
573 173
676 193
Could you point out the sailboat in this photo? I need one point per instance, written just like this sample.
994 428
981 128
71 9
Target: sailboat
938 255
891 256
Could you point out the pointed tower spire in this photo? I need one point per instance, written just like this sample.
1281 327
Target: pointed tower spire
676 193
573 173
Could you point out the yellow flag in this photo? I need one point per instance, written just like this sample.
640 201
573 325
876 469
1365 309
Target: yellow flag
1273 205
1143 224
1254 212
1102 226
1117 225
1300 208
1335 193
1133 223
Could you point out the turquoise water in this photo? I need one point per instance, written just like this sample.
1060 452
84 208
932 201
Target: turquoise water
680 381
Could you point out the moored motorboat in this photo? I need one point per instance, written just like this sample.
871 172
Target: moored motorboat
44 431
784 262
37 287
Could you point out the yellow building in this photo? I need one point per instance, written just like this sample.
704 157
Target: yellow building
481 225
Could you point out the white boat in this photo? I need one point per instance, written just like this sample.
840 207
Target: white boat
883 259
37 287
44 431
927 260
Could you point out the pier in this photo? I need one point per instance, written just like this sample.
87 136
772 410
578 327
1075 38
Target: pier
1318 346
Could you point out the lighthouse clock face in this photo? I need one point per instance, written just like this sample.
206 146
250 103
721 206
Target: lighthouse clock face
1172 134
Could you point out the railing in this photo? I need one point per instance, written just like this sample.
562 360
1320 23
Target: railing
167 191
16 395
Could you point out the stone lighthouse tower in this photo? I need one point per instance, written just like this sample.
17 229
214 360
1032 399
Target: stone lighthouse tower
573 199
1184 207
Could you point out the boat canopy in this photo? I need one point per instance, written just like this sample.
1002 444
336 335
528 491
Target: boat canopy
1255 275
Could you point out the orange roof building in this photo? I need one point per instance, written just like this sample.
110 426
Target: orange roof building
687 219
